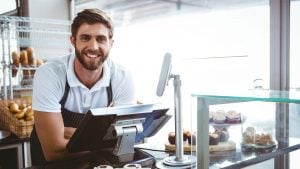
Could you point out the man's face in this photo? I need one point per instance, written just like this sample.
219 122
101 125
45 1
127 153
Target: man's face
92 45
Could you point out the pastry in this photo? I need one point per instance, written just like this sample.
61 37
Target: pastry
186 135
31 59
219 117
31 56
171 138
264 139
16 62
233 117
249 135
39 62
223 134
24 58
214 139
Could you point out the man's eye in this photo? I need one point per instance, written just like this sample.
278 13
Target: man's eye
84 38
101 39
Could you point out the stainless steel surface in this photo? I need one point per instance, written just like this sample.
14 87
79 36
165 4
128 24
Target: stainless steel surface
4 134
178 124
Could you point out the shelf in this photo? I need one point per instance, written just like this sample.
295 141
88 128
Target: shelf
50 38
251 95
240 159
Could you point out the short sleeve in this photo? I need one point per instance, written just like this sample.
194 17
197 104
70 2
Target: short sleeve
48 87
123 87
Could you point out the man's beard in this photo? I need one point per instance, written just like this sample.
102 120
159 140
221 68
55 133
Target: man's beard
90 65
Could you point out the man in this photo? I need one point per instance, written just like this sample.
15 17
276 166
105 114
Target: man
64 89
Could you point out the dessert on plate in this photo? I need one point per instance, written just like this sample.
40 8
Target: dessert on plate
233 117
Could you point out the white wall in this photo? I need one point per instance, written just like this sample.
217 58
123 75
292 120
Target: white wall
50 9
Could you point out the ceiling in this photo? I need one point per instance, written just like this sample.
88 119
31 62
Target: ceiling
132 11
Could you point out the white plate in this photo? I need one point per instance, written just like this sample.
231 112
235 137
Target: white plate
226 125
4 134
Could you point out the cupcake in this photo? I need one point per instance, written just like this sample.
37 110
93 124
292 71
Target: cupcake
219 117
223 134
233 117
249 135
171 138
214 139
186 135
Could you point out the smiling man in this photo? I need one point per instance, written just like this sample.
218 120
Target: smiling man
65 88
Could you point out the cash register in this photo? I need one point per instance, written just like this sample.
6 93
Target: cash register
110 133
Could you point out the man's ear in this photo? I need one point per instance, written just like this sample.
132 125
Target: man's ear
72 40
112 43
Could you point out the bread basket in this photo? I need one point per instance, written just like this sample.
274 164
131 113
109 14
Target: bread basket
8 121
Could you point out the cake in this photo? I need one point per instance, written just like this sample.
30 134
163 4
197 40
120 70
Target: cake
219 117
249 135
233 117
171 138
223 134
186 135
264 139
214 139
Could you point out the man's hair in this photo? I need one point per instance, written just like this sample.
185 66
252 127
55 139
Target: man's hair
92 16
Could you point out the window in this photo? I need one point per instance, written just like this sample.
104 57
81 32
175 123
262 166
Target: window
217 48
225 49
9 6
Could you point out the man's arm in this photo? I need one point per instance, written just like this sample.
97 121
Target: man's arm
53 135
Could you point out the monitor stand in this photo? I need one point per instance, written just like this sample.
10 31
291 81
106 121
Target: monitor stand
124 152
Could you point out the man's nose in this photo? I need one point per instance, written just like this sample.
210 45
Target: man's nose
93 44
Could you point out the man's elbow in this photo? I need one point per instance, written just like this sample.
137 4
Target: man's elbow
53 154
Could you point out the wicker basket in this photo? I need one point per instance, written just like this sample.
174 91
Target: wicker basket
8 121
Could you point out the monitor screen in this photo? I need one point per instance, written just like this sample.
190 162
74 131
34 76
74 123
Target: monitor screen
102 127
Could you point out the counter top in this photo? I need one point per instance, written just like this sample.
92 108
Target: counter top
12 139
95 159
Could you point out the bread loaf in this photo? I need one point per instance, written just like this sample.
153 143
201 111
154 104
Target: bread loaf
31 59
16 62
31 56
24 63
24 58
39 62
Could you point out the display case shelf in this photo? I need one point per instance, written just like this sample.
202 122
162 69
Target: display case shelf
202 102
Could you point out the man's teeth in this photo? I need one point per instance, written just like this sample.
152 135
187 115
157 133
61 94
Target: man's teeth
91 55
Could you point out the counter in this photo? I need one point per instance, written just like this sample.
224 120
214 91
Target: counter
94 159
14 152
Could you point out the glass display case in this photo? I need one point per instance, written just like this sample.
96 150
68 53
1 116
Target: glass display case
256 121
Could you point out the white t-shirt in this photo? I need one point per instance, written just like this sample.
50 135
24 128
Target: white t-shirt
50 80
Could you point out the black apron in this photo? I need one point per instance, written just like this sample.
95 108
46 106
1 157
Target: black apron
70 119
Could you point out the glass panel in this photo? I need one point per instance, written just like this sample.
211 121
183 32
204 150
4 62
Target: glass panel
294 74
294 44
264 119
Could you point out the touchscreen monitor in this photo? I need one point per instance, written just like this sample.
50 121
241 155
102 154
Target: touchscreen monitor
102 128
